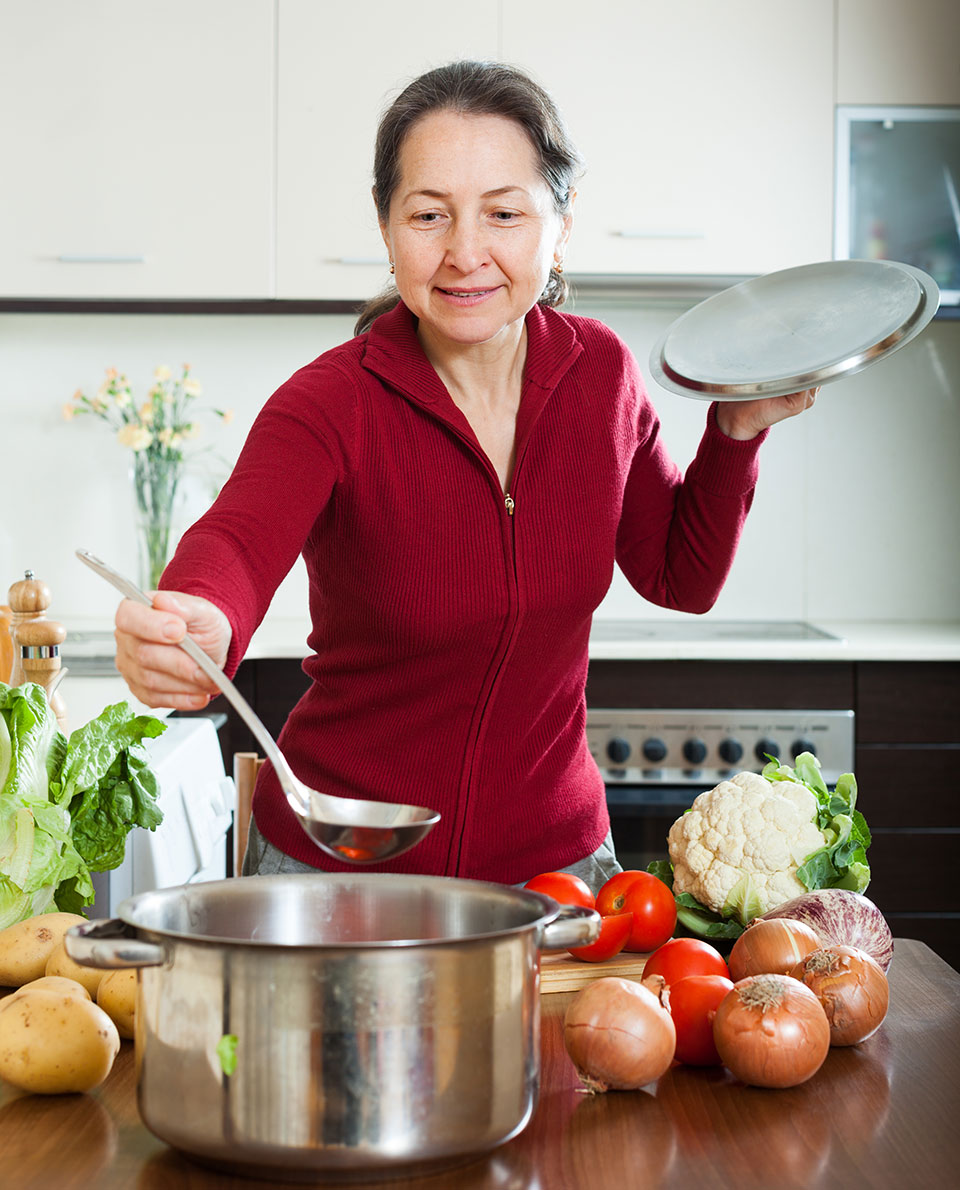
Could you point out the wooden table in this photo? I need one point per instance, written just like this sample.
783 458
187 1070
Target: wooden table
886 1113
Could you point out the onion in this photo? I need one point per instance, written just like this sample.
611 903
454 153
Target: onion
837 915
852 988
618 1035
771 1031
771 948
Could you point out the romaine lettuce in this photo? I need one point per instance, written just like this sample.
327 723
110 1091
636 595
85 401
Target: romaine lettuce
67 806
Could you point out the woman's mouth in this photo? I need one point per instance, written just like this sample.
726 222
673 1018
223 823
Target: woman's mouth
466 297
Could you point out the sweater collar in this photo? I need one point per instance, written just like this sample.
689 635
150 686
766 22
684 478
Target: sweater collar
393 352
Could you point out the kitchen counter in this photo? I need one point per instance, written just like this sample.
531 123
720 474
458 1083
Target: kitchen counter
662 640
880 1114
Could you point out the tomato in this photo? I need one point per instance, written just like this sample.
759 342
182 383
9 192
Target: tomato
648 899
614 932
680 957
565 888
693 1005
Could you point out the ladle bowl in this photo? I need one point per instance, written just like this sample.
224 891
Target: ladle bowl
352 830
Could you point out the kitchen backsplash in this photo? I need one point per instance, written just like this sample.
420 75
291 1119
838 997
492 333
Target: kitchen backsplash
855 516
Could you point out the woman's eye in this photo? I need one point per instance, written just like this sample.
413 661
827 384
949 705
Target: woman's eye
427 217
506 216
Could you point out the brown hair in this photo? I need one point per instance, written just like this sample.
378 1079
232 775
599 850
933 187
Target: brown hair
480 89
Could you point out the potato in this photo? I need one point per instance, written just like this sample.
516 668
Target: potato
50 983
52 1043
26 946
60 963
117 996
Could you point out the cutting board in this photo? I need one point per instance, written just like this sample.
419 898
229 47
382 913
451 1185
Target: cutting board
564 973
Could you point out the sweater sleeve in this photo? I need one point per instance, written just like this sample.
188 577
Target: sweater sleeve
678 535
297 451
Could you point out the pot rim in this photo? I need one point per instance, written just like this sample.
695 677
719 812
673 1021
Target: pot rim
547 911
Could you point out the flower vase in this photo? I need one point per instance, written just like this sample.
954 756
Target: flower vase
155 488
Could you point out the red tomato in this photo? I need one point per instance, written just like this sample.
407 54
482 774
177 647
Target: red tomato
614 932
693 1005
648 899
680 957
565 888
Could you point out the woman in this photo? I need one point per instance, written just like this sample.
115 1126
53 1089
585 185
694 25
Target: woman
460 478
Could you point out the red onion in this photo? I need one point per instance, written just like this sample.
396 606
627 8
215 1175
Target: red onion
839 916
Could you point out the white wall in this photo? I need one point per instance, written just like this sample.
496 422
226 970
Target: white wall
856 514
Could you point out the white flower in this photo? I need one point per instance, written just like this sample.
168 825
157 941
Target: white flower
146 412
136 437
123 398
161 374
192 388
69 412
166 436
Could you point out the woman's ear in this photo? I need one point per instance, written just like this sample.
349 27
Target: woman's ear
567 223
380 223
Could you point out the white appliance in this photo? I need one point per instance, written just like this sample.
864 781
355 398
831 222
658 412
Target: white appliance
198 800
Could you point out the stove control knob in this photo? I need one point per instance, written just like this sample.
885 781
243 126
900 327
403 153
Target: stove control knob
618 750
802 745
695 752
765 748
730 750
654 750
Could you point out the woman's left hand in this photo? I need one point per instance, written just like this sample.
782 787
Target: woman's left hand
745 419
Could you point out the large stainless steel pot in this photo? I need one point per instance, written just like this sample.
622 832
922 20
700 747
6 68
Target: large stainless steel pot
385 1025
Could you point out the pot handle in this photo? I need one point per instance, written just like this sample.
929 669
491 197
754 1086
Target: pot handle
110 942
574 925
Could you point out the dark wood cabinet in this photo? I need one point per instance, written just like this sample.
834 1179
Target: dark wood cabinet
908 773
907 761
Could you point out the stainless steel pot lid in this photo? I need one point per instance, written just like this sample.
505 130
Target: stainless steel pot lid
794 329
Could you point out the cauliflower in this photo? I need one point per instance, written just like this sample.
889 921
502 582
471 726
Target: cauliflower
738 848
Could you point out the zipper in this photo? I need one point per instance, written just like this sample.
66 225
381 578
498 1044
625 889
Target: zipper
506 647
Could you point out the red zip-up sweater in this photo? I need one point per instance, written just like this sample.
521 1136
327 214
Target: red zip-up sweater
450 621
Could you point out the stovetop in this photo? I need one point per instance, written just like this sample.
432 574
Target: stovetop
708 630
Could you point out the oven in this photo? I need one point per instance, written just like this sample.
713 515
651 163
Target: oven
655 762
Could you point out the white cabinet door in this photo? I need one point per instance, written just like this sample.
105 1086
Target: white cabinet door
137 146
707 128
894 52
338 67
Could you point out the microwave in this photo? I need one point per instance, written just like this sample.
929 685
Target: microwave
898 191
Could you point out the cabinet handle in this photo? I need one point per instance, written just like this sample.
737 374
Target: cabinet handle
659 233
99 258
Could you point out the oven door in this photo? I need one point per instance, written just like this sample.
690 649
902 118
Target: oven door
641 817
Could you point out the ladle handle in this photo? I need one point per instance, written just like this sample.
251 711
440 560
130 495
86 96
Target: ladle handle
214 673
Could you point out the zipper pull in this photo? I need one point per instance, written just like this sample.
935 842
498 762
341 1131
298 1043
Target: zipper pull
509 504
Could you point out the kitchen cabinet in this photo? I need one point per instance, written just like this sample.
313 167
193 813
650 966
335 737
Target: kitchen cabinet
908 752
707 129
337 68
139 162
894 52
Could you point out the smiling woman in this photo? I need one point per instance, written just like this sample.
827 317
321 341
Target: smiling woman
469 468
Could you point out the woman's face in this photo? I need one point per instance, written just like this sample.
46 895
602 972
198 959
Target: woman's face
472 229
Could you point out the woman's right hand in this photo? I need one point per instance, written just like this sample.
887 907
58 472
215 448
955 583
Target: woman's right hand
158 672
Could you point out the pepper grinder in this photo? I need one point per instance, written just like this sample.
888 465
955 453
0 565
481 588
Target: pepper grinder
38 645
29 600
36 640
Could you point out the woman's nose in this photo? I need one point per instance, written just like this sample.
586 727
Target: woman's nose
466 247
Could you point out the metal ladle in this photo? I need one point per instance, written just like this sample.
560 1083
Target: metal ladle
352 830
